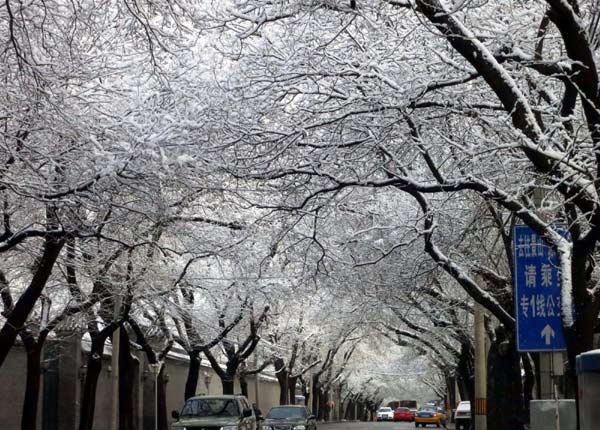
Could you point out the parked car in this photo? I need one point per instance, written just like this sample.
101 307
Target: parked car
221 412
385 414
288 418
430 415
403 414
462 416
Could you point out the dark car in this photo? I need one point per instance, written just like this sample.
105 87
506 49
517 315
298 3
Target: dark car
289 418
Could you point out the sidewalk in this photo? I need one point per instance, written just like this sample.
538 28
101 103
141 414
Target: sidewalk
370 425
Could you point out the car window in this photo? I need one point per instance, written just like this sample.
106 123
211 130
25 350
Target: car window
286 413
210 408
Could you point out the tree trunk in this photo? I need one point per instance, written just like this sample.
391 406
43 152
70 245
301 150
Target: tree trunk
535 357
292 382
244 385
16 320
315 395
281 372
504 390
94 367
466 372
283 388
32 386
191 383
450 391
349 409
324 405
305 392
163 423
126 373
228 384
529 382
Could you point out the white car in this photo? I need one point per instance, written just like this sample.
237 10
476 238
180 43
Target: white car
385 414
462 416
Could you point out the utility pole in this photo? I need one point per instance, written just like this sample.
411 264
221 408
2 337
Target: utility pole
116 338
480 370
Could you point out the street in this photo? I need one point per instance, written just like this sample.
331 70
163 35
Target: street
373 426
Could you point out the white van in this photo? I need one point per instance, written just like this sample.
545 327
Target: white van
462 416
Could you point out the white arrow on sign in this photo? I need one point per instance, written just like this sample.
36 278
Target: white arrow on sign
548 333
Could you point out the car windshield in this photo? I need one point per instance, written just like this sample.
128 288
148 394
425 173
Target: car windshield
403 409
210 408
428 409
286 413
385 409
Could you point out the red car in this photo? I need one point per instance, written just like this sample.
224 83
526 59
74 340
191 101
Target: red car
403 414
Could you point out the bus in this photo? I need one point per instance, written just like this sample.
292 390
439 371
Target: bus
410 404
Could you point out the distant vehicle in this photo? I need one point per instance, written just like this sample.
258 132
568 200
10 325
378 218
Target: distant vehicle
430 415
215 412
413 411
385 414
410 404
403 414
462 416
289 417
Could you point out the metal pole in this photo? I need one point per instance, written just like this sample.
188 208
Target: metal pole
116 338
480 370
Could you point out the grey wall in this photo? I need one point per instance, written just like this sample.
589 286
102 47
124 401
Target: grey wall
63 396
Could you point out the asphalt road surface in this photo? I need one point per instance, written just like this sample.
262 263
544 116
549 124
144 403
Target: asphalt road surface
373 426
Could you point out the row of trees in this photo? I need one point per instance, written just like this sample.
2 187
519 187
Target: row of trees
112 217
213 164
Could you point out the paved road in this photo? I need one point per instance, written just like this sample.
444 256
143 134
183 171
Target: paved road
373 426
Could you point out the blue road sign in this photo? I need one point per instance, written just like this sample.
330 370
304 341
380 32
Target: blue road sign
537 293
